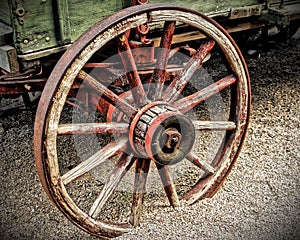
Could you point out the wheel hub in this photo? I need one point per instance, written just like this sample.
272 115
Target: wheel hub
160 132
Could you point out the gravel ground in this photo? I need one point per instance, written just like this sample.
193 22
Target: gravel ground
259 200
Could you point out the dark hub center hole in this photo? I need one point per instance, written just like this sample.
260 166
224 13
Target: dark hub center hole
171 139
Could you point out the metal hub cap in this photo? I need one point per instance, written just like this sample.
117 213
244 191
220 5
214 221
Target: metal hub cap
162 133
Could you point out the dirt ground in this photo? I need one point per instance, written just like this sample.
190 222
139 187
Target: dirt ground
260 199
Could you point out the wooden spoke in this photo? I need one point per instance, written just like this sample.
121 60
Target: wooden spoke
122 167
90 128
113 98
135 82
142 169
99 65
99 157
159 73
214 125
203 165
179 82
168 185
187 103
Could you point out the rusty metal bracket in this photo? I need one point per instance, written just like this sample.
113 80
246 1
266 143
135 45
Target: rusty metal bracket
248 11
139 2
8 59
276 17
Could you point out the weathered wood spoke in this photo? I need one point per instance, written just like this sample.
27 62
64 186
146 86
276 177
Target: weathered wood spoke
99 65
92 128
99 157
159 74
113 98
142 169
179 82
122 167
168 185
187 103
214 125
129 64
203 165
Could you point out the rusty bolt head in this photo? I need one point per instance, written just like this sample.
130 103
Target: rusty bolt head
173 138
122 39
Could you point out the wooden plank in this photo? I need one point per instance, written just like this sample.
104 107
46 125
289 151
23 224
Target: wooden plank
211 6
214 125
92 128
48 24
93 161
124 164
34 29
5 13
61 21
83 14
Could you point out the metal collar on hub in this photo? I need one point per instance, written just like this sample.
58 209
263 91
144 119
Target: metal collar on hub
160 132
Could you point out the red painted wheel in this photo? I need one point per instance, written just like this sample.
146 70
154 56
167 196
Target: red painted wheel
108 120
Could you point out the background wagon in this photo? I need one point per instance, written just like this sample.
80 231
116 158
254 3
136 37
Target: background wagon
137 88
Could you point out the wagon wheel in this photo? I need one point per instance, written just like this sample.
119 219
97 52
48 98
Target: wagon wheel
104 117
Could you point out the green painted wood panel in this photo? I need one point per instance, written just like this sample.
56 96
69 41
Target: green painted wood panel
50 23
211 6
35 29
5 12
83 14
